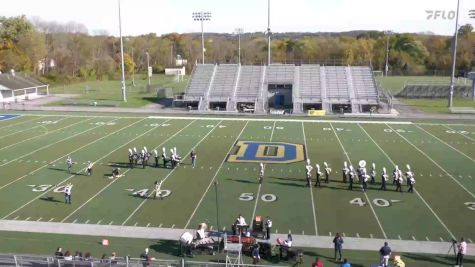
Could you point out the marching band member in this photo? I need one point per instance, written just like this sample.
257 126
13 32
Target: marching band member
89 168
319 175
327 172
309 169
69 163
155 154
351 177
410 179
345 172
384 180
373 174
261 173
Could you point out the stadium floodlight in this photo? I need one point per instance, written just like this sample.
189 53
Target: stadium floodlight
201 17
239 31
471 14
148 68
124 95
454 57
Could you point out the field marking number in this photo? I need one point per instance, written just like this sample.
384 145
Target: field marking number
250 197
48 122
337 129
470 205
458 132
270 128
397 130
157 125
380 202
163 193
101 123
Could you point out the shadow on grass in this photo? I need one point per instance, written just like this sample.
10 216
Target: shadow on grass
50 199
243 181
289 184
169 247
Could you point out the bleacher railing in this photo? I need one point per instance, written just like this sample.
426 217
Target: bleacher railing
50 261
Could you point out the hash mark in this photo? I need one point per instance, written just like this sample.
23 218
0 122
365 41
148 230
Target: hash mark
136 224
27 219
470 240
413 238
148 224
111 222
99 222
371 235
86 222
50 220
343 234
39 219
160 226
329 233
173 226
357 235
75 220
398 236
16 218
427 238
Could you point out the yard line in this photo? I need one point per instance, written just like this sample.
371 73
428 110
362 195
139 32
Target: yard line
433 161
415 190
310 187
458 132
445 143
70 177
22 122
39 219
260 185
1 137
99 222
28 218
168 175
366 195
16 180
123 174
214 177
48 145
160 225
111 222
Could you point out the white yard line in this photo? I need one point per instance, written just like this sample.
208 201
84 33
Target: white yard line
417 192
70 177
170 173
214 177
311 190
435 163
366 195
31 138
37 126
260 185
21 122
51 144
191 116
458 132
445 143
123 174
16 180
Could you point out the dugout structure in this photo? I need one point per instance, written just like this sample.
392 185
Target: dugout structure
281 88
16 87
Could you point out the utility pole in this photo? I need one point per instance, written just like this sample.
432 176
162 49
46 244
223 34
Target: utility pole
149 74
268 33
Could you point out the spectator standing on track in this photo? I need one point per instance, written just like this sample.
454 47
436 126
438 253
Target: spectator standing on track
317 263
255 254
268 225
145 258
59 253
385 253
338 245
193 158
462 249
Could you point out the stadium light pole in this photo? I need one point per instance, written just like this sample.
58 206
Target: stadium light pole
268 32
201 17
239 31
148 67
454 56
386 67
124 95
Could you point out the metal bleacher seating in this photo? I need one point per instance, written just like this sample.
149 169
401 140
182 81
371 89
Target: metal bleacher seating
363 83
200 81
280 74
249 82
310 84
224 81
337 83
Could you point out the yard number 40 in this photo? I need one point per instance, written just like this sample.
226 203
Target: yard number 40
470 205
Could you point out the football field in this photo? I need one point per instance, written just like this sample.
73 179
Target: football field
33 173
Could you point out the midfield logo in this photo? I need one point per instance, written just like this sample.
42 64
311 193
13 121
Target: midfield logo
267 152
440 14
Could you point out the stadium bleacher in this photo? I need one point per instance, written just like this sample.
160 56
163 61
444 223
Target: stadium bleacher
313 86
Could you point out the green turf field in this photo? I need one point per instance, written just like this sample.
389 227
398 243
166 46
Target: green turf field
34 147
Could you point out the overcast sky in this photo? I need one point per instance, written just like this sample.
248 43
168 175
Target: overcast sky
165 16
